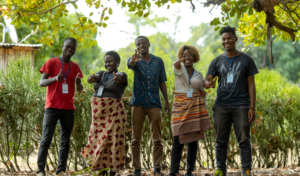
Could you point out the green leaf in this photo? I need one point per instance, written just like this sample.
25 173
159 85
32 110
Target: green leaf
168 6
104 25
173 1
110 11
91 14
146 15
106 18
123 4
250 11
217 28
140 13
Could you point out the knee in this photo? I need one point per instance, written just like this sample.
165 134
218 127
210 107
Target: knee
65 144
135 142
157 143
45 143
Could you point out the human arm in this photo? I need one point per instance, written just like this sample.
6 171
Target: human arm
209 81
79 85
135 58
177 64
120 77
163 89
93 78
252 95
46 81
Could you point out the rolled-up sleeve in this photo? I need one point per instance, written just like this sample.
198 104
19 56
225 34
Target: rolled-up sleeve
128 64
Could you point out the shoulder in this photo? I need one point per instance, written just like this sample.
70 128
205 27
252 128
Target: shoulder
247 57
101 72
216 59
158 59
198 72
53 60
123 73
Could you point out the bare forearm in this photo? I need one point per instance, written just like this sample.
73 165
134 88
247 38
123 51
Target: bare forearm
206 84
47 82
252 95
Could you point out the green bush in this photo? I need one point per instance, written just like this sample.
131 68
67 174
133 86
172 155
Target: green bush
275 136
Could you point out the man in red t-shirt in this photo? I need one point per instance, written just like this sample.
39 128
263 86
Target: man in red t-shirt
59 75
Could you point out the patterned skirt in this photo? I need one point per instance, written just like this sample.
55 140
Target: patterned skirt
106 142
189 117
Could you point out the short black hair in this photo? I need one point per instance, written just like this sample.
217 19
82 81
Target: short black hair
72 39
115 55
228 29
142 37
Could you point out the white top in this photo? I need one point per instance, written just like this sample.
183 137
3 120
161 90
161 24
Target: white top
182 79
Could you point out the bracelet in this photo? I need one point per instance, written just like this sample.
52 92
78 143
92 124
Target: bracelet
253 108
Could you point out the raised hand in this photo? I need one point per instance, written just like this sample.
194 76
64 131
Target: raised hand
92 78
60 76
135 57
78 80
117 77
177 63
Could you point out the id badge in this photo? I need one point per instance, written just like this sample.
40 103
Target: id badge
189 93
65 88
100 91
230 77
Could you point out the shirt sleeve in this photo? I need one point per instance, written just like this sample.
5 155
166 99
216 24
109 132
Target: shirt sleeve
129 65
252 69
126 81
162 75
177 71
47 67
212 68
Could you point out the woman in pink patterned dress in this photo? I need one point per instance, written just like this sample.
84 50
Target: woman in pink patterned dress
106 142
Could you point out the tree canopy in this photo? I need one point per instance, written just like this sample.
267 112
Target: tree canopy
255 16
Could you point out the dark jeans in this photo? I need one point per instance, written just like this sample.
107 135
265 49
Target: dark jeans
224 117
176 156
51 116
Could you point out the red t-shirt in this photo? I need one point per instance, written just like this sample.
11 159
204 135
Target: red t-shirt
54 97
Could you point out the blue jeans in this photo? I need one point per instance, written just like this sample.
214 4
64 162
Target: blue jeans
176 156
224 117
51 116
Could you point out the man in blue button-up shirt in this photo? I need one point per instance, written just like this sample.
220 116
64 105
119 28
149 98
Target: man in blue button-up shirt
149 77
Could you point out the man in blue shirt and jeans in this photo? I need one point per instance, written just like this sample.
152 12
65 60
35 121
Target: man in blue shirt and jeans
149 77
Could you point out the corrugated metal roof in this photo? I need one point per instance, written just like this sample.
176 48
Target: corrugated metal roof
22 45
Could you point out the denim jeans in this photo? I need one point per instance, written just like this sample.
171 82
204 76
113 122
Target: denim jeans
224 117
51 116
177 152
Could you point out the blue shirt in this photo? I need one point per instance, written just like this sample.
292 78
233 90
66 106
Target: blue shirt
147 78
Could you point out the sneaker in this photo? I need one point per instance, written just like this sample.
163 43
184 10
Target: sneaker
246 172
137 172
220 172
40 174
157 172
61 173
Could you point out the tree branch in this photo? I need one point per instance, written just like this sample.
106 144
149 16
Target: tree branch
193 5
52 8
282 27
213 2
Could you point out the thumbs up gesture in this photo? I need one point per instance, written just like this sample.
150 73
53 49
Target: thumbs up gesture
92 78
60 76
77 79
117 77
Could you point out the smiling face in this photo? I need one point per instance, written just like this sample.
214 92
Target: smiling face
228 41
69 48
189 58
110 64
142 45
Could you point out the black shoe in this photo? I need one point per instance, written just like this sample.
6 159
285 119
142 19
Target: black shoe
156 172
137 172
246 172
220 172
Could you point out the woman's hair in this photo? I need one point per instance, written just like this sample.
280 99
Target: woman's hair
191 49
115 55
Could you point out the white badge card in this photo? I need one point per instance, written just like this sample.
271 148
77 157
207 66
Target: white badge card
65 88
100 91
189 93
230 77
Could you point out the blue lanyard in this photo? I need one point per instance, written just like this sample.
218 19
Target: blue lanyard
65 75
230 64
107 78
189 75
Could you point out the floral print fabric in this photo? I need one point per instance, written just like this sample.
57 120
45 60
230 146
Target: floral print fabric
106 142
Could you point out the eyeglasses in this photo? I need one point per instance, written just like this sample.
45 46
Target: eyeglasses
186 56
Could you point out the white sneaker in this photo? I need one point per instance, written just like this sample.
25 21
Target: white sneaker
61 173
40 174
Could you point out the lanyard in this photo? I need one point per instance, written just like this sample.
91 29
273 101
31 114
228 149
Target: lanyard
189 76
106 78
230 64
65 75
